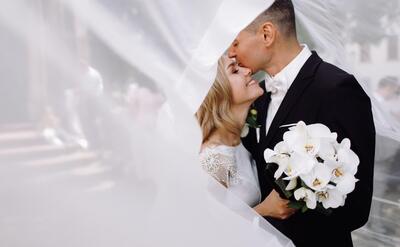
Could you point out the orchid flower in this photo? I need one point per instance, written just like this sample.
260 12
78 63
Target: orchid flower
306 195
327 151
307 139
344 168
331 198
346 156
318 178
292 165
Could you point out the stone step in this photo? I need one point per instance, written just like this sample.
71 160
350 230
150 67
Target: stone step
20 138
37 151
369 237
78 157
16 127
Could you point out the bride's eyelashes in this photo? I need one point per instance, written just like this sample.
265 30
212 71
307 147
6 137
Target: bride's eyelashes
234 69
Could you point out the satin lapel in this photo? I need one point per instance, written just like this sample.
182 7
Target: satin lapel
262 105
303 79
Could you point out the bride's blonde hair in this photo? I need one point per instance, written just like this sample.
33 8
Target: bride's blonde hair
215 111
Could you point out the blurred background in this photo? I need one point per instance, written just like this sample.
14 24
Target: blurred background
372 45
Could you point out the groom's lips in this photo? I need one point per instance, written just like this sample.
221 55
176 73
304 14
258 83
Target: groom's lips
241 65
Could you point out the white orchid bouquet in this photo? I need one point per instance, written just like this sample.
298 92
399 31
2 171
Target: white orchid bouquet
314 170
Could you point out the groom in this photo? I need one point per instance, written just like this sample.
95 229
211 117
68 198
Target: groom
301 86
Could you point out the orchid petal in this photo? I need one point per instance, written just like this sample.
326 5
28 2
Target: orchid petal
299 164
346 183
320 131
350 159
245 131
268 154
311 200
326 151
307 146
292 184
332 198
306 195
281 147
318 178
282 165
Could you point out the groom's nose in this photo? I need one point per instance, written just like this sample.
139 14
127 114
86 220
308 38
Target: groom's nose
231 52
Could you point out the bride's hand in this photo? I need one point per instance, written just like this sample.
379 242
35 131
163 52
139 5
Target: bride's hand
274 206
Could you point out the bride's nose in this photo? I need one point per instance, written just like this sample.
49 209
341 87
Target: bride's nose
247 71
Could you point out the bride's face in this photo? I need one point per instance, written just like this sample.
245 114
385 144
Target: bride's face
243 87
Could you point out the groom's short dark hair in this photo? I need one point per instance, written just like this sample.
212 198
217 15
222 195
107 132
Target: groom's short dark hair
281 13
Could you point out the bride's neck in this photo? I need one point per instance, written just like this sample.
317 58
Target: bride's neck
222 136
240 112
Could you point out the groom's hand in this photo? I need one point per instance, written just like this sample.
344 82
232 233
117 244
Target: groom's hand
274 206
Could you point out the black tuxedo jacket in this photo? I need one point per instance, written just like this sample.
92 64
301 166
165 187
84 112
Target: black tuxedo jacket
321 93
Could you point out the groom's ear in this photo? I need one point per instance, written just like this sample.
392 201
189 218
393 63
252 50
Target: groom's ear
268 32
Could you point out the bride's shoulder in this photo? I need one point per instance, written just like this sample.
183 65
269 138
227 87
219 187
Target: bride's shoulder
216 148
219 161
213 155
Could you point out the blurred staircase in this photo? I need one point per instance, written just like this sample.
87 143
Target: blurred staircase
22 144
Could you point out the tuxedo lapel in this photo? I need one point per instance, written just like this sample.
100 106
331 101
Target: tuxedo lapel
262 105
250 141
303 79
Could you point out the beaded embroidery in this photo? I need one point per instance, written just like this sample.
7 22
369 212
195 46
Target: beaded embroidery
220 166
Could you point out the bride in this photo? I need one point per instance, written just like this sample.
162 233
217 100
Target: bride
222 116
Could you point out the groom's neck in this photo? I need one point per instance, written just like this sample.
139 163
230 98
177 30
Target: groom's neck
282 54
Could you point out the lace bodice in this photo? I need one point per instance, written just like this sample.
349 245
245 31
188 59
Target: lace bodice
234 168
219 162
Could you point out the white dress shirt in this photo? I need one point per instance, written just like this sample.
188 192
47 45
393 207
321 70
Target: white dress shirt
279 84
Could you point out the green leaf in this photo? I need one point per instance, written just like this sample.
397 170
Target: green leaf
296 204
299 205
252 122
304 209
271 165
282 185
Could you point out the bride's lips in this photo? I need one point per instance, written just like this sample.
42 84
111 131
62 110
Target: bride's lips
251 82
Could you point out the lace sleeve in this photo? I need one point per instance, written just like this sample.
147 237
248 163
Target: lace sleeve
220 166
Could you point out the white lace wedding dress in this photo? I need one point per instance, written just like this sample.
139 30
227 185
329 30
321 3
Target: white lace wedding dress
233 167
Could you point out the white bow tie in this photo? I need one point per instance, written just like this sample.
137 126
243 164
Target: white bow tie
275 85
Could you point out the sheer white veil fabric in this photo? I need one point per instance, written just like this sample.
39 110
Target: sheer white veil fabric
88 157
323 25
119 167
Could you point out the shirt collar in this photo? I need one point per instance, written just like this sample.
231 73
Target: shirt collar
290 71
